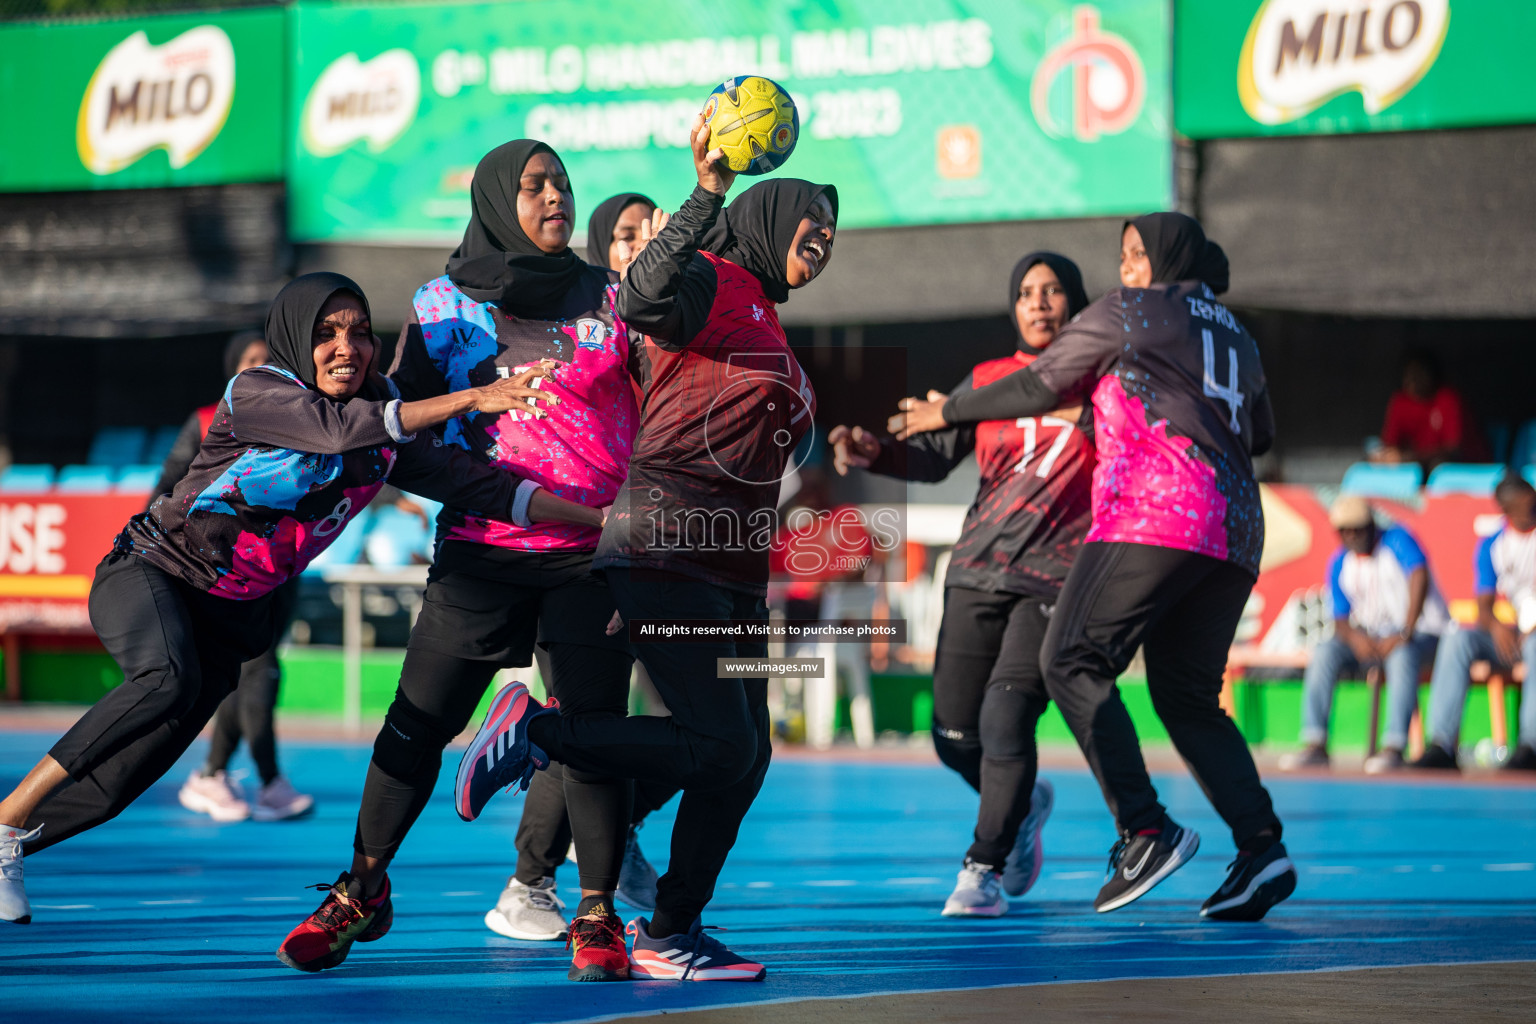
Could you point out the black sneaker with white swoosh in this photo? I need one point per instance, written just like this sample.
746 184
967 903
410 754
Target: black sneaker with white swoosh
1255 883
1139 862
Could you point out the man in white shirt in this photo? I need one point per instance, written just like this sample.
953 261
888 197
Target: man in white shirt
1387 612
1505 565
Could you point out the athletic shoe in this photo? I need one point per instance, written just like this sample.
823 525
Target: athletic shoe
1385 762
532 912
343 917
13 895
1022 868
1139 862
1522 760
1253 885
500 756
637 879
1315 756
978 893
278 801
597 947
1435 757
686 956
216 795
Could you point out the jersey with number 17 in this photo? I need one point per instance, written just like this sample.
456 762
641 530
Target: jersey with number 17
1181 406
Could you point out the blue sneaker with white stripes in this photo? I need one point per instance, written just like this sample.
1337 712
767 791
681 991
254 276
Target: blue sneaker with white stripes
500 756
693 955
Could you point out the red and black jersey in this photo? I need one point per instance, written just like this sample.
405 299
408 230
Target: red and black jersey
726 402
1034 505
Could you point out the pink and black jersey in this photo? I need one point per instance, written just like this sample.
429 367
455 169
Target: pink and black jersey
281 471
580 451
1180 407
1033 507
726 402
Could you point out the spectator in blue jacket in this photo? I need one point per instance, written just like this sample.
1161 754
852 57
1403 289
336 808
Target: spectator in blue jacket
1386 612
1505 565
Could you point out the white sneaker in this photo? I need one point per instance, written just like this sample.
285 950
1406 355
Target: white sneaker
1384 762
532 912
978 893
278 800
13 895
216 795
637 879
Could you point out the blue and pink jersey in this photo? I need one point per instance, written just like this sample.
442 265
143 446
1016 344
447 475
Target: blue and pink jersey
580 451
282 469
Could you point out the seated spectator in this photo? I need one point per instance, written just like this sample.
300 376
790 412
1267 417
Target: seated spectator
1505 565
1427 421
1386 612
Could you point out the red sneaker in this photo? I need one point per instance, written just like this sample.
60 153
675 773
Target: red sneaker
344 917
596 940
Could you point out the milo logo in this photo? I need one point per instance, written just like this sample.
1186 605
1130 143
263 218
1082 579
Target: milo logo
174 97
354 100
1299 54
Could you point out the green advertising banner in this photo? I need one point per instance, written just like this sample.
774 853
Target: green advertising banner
142 103
1295 67
920 111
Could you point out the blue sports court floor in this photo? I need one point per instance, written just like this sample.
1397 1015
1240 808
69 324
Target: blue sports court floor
836 884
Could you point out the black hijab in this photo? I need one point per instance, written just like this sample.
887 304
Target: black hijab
757 229
1179 251
1067 273
291 325
497 261
603 221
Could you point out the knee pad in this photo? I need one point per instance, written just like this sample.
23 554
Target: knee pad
958 749
410 742
1008 719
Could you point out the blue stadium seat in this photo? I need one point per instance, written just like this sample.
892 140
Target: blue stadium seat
1465 478
137 478
1374 480
1522 452
85 479
1529 472
117 446
160 444
26 478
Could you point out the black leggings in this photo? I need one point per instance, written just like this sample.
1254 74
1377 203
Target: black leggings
988 696
436 698
544 833
248 711
180 651
715 745
1182 609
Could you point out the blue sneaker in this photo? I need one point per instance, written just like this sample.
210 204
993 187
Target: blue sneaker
1022 868
687 956
501 755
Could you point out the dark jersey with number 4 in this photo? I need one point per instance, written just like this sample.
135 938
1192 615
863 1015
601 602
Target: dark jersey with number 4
1180 407
1032 508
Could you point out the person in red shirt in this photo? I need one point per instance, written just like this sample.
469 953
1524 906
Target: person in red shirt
1427 421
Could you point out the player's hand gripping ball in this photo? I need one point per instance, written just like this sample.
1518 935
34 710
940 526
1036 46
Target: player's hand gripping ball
754 121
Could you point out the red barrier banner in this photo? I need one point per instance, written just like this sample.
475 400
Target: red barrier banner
49 546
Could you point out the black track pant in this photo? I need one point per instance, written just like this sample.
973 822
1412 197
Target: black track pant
1182 609
715 745
180 651
988 696
544 833
248 711
482 610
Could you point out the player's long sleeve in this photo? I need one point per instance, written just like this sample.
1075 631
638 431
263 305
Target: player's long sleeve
669 290
1018 394
267 409
929 457
448 474
413 372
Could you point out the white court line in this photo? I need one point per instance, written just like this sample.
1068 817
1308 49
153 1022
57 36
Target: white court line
759 885
914 881
466 892
1509 867
832 882
166 903
1068 876
1403 869
65 906
270 899
1332 869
